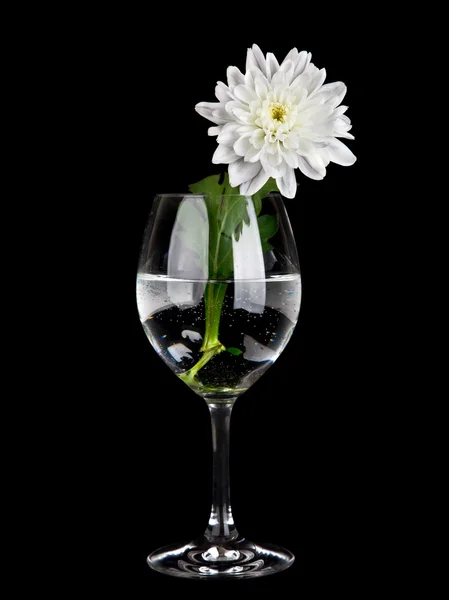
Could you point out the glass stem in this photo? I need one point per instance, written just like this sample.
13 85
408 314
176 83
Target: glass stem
221 526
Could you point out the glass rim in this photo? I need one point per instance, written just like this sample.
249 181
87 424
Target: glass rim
191 195
158 276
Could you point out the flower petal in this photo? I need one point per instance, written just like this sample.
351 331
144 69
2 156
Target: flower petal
292 55
235 77
287 183
272 147
331 93
252 154
245 94
302 63
245 128
228 134
315 112
345 135
300 83
222 92
258 138
205 109
340 154
287 68
272 65
224 155
249 78
341 127
260 58
242 145
251 61
243 116
290 157
317 162
273 171
274 158
221 116
235 104
304 147
262 86
250 187
214 130
306 168
241 171
340 110
292 140
278 80
317 81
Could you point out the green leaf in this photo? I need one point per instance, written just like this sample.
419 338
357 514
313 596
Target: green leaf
232 215
234 351
268 226
214 189
210 185
266 246
228 219
270 186
225 220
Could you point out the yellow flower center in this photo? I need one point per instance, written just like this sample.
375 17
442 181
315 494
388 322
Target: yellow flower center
278 111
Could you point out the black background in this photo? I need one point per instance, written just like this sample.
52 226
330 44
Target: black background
142 457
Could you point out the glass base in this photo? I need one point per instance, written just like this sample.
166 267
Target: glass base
203 559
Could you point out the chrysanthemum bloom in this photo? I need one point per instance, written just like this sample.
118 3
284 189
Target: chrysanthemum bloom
276 118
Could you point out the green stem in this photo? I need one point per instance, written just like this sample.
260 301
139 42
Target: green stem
213 298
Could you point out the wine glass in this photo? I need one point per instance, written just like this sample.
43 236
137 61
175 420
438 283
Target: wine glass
218 294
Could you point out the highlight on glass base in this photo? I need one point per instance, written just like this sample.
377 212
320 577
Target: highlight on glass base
231 559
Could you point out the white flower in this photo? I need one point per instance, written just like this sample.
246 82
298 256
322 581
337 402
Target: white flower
277 118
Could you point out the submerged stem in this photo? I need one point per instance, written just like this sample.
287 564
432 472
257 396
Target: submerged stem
213 299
